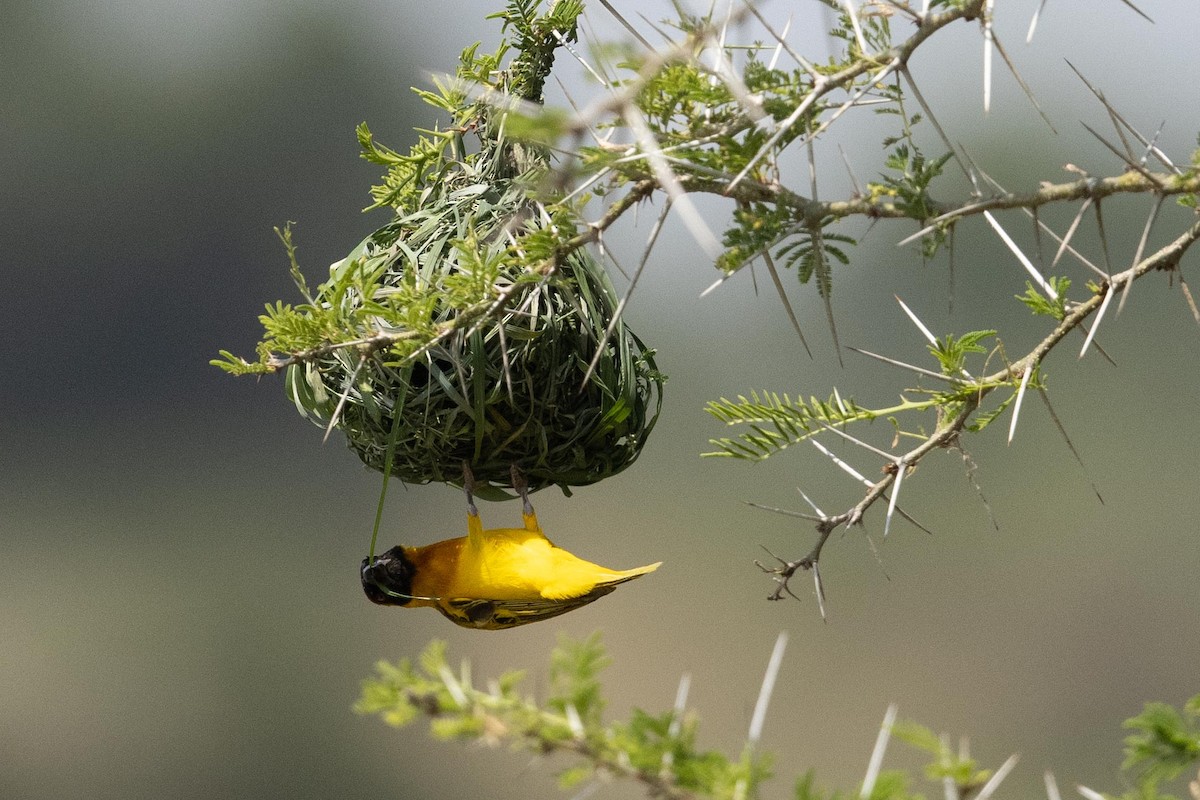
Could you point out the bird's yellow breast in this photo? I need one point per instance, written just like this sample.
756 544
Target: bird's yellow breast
507 564
517 564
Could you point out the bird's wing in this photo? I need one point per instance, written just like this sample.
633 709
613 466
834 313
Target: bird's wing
566 583
500 614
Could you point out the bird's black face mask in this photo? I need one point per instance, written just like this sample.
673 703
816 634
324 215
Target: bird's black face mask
387 579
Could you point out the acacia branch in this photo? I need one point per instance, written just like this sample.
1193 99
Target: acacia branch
809 210
972 395
540 730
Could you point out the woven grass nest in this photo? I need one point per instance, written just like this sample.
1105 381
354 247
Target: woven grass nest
512 387
474 326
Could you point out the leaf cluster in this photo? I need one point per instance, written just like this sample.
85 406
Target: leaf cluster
773 421
537 36
659 750
809 248
947 764
907 187
876 31
662 750
1040 304
1165 744
951 352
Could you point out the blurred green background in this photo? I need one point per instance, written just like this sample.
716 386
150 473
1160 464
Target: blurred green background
180 612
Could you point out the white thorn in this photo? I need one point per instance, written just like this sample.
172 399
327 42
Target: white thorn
988 47
811 504
851 471
858 34
816 571
1108 295
1025 262
1051 786
881 743
768 686
887 522
920 325
990 787
779 47
1012 428
1033 22
452 686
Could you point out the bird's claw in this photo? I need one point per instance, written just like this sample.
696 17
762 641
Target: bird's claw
469 488
522 486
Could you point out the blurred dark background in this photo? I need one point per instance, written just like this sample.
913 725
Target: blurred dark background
179 602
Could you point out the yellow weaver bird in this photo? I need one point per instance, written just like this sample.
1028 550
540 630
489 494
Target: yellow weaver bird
491 579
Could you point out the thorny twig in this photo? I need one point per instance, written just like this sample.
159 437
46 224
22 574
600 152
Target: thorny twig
950 428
